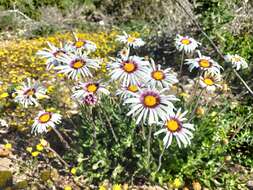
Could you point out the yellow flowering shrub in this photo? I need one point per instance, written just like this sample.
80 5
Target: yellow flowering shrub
18 61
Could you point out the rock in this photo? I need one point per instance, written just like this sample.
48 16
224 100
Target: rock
6 179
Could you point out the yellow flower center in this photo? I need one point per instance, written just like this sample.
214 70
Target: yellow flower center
132 88
150 101
204 63
129 67
185 41
131 39
236 59
79 44
158 75
172 125
208 81
30 92
45 117
92 88
78 64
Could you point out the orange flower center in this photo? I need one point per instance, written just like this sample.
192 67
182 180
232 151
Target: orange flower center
132 88
172 125
45 117
185 41
92 88
30 92
157 75
208 81
77 64
129 67
151 101
204 63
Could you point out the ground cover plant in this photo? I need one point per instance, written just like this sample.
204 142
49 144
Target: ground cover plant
104 110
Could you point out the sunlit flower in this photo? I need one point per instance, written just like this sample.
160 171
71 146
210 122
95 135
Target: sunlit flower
76 65
237 61
29 149
39 147
81 44
29 93
131 71
95 87
150 104
35 153
204 63
130 40
126 91
175 126
210 81
162 78
102 187
51 55
3 123
186 44
8 146
45 120
116 187
73 171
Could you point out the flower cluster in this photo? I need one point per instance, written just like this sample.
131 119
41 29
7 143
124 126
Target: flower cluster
20 62
146 89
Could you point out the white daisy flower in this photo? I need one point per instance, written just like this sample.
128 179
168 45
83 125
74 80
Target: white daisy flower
130 71
51 55
126 91
131 41
186 44
29 93
210 81
75 65
81 44
45 120
151 105
175 126
237 61
161 78
204 63
92 87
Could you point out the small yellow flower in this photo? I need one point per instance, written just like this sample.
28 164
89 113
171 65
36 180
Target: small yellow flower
4 95
183 94
67 187
43 142
177 183
73 171
39 147
8 146
35 153
50 89
116 187
200 111
102 187
29 149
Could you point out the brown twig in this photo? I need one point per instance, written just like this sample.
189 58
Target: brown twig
66 144
58 156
